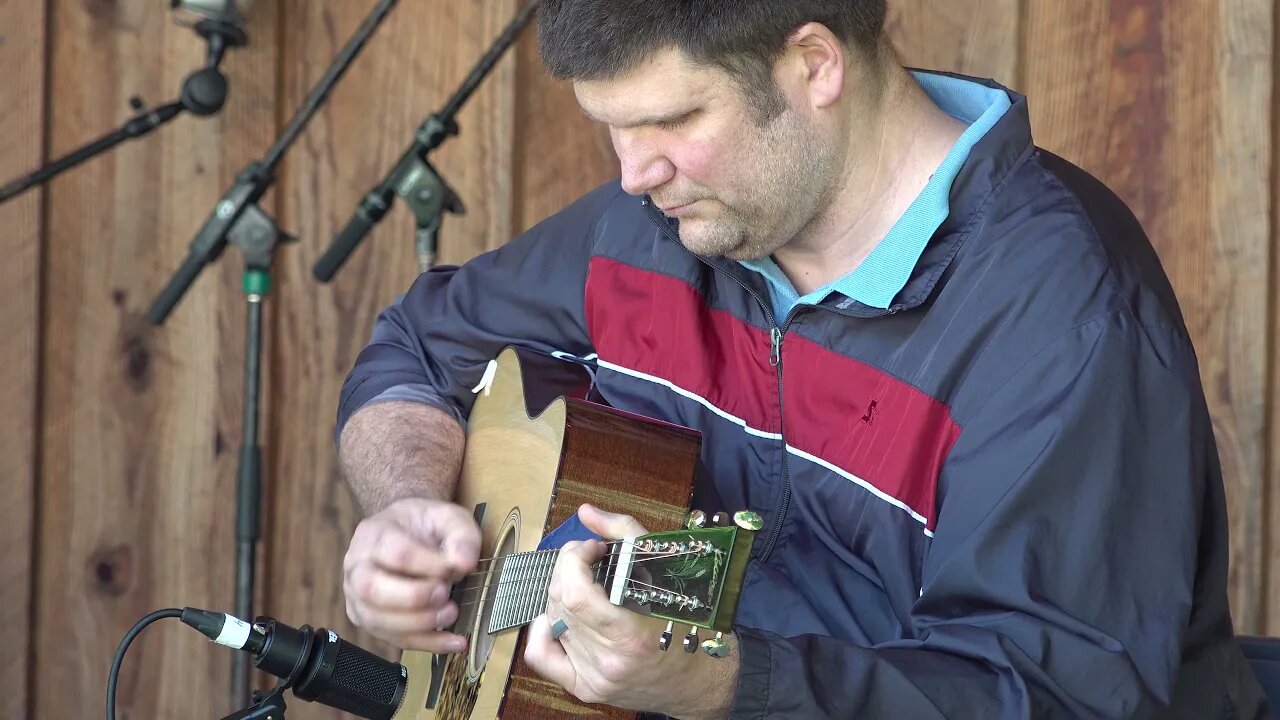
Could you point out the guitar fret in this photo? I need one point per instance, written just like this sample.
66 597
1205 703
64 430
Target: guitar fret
500 592
522 600
545 566
517 583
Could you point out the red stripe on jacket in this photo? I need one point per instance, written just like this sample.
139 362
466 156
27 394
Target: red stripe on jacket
662 327
866 422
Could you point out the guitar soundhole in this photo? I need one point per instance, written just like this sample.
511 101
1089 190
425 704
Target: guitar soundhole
481 640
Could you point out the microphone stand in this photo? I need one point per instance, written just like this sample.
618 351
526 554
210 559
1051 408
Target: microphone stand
238 219
414 178
203 93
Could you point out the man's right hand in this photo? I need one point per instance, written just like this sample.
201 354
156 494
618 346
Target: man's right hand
399 568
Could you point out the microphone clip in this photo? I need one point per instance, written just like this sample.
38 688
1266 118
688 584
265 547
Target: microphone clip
265 707
424 190
413 178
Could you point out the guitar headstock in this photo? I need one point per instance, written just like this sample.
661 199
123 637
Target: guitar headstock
691 576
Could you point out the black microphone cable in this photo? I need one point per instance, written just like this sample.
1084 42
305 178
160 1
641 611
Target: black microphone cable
114 678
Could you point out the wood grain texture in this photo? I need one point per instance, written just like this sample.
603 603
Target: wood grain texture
975 37
1168 103
139 428
406 72
559 153
1243 106
22 62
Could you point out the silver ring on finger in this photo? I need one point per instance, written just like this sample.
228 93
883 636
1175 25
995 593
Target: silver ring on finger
558 628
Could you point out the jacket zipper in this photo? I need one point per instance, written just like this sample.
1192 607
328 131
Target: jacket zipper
776 335
784 498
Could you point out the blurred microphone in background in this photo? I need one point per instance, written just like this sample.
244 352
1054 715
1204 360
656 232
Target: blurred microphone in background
231 11
204 92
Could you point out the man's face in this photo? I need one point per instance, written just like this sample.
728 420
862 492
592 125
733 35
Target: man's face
687 136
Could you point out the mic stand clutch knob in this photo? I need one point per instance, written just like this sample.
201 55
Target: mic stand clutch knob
429 196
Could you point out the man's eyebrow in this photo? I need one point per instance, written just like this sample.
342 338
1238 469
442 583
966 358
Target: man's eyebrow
650 120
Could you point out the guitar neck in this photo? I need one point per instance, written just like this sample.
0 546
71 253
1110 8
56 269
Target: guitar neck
520 582
668 575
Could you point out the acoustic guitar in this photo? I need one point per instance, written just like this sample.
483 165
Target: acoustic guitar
539 443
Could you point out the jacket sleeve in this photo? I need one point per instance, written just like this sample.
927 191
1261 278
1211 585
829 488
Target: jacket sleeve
1060 578
432 345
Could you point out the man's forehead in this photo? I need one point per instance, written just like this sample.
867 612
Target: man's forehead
658 88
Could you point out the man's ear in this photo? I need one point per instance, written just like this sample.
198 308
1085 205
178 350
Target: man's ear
815 59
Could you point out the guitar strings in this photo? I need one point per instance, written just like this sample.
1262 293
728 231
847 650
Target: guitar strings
527 595
652 555
538 584
534 554
483 561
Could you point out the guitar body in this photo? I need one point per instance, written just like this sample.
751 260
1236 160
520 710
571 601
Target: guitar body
536 450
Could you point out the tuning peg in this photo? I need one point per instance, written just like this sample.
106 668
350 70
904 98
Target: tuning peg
716 647
721 519
697 519
691 640
665 641
748 520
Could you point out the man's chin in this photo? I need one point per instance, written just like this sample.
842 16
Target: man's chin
713 250
699 238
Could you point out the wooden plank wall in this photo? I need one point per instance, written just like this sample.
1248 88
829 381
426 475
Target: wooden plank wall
23 44
139 423
118 441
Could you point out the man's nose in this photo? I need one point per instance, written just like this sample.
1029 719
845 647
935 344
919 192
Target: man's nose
644 166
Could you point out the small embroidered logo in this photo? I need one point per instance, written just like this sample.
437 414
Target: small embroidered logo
871 412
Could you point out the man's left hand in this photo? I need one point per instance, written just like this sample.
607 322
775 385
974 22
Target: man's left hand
610 655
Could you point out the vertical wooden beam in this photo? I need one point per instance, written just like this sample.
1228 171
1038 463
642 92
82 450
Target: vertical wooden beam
1238 115
1168 102
22 63
140 424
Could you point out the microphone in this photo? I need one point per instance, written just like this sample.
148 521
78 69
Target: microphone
204 92
225 10
320 666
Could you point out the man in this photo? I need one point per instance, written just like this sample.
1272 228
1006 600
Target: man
944 365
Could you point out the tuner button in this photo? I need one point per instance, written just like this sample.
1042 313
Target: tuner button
697 519
748 520
691 640
716 647
721 519
665 641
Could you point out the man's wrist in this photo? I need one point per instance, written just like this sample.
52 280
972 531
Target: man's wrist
713 684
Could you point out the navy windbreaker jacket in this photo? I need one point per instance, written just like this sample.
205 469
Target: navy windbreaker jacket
998 498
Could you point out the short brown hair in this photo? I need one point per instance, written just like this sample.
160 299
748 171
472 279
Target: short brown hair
604 39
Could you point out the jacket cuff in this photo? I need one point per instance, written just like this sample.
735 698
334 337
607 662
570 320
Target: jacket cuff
755 670
402 392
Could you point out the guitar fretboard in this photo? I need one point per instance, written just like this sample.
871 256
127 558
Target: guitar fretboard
520 593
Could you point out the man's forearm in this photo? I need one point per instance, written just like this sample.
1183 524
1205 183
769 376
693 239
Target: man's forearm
394 450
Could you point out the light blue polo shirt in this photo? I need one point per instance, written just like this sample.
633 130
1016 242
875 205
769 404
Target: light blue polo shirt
885 271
